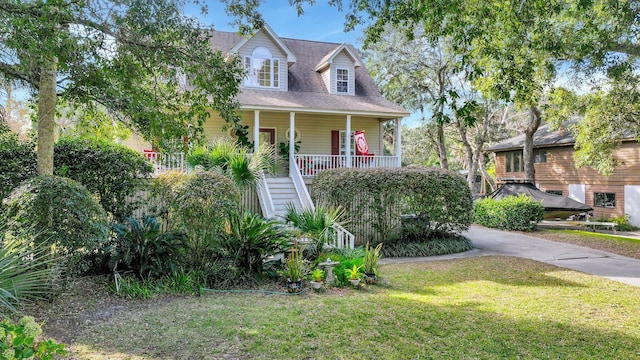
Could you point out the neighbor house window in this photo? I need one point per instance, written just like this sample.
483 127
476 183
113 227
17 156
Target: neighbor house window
342 81
606 200
343 143
262 69
540 156
554 192
514 161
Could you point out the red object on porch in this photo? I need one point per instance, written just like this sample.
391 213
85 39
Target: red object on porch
362 148
148 154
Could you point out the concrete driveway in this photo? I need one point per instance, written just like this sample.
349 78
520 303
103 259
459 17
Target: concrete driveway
495 242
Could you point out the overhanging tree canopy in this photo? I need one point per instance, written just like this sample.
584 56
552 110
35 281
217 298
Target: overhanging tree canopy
130 56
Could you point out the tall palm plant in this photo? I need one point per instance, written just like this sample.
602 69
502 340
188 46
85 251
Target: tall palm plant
234 161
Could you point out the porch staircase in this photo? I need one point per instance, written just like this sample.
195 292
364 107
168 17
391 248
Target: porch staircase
283 192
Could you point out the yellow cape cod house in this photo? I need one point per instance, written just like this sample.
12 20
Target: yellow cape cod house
311 93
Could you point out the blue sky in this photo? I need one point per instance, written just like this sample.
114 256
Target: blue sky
320 22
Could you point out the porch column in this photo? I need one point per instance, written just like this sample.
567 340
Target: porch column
256 130
292 141
347 141
398 141
381 139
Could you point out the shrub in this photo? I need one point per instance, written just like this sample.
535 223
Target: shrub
623 223
375 199
17 162
111 171
58 212
510 213
144 249
200 205
251 239
18 341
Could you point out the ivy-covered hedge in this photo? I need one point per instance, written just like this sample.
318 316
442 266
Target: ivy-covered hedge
111 171
510 213
376 200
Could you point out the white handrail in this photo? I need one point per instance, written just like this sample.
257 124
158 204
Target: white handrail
301 187
344 239
264 197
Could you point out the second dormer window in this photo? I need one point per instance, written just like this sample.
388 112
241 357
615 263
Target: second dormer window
262 69
342 81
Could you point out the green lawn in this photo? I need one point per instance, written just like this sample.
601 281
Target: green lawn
478 308
621 245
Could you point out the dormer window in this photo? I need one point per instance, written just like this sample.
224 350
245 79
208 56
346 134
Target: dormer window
262 69
342 81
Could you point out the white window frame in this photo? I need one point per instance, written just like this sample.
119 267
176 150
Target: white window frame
254 64
345 81
342 142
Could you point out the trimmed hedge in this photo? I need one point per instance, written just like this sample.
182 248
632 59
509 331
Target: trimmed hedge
17 162
376 199
511 213
111 171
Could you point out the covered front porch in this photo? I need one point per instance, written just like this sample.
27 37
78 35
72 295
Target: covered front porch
321 142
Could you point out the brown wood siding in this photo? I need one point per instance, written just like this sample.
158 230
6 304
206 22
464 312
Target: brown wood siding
559 170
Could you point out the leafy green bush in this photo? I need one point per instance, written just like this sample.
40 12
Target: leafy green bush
375 199
59 212
17 162
18 341
200 206
251 239
623 223
145 249
510 213
111 171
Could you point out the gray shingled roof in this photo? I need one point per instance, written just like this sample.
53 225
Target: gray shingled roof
306 88
544 137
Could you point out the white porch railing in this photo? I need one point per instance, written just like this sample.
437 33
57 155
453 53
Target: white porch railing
163 162
310 165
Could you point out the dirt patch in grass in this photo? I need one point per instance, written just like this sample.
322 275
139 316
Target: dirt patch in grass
605 242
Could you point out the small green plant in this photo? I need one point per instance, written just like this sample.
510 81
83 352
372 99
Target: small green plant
18 341
132 287
295 265
371 258
354 272
317 275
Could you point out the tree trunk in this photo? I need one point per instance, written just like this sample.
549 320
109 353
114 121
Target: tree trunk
485 174
535 119
442 149
46 116
468 152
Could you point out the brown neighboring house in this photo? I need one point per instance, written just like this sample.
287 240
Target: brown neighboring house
614 195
